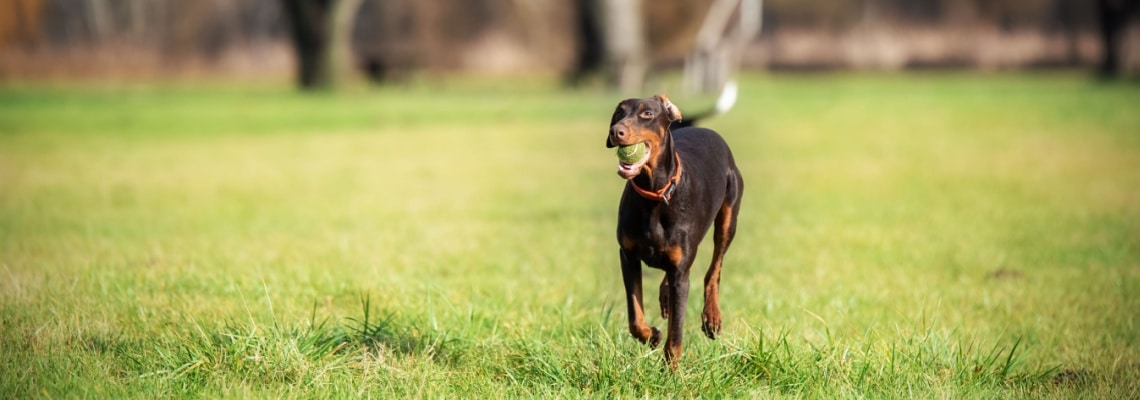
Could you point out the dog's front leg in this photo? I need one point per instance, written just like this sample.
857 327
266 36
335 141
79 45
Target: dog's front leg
678 278
631 276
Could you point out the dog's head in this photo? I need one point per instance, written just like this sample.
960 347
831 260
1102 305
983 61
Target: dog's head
642 121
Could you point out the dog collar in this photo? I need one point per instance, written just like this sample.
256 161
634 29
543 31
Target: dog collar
663 194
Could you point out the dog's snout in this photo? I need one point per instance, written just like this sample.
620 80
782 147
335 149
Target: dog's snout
619 131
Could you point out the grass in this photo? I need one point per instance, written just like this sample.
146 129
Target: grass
902 236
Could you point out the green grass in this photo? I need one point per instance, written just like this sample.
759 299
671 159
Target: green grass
909 236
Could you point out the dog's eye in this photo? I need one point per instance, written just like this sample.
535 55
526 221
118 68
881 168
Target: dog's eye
647 114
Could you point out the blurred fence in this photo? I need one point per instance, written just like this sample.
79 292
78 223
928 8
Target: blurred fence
394 37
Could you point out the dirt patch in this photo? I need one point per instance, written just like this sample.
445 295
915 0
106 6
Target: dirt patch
1005 273
1072 377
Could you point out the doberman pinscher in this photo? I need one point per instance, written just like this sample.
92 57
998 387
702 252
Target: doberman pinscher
687 182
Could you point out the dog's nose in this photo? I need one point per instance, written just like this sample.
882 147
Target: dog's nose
619 132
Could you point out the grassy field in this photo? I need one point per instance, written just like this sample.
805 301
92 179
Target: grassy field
909 236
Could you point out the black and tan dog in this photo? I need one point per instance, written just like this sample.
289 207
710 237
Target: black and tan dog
686 183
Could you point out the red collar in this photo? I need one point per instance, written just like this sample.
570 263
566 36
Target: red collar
664 193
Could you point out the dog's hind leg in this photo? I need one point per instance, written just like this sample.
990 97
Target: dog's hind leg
724 231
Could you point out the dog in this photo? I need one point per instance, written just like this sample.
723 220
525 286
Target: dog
686 183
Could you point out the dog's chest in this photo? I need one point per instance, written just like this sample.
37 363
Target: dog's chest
654 233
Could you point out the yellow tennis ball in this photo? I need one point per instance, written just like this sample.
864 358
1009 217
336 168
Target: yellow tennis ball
632 153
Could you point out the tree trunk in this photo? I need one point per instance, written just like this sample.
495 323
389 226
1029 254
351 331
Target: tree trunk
1113 16
588 57
98 19
322 39
612 40
720 43
624 35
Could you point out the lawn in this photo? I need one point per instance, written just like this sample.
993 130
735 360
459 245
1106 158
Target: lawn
902 236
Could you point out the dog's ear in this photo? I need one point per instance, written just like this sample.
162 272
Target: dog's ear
671 110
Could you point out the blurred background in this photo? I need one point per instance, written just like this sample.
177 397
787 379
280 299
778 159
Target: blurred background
182 205
623 43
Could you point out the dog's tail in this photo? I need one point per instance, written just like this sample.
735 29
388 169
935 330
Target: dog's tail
724 103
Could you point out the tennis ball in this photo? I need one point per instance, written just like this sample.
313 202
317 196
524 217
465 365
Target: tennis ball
632 153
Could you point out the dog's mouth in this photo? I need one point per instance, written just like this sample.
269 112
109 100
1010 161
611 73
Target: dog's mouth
630 170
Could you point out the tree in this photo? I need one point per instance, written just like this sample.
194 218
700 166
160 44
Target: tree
1113 16
588 55
20 23
720 43
611 37
321 31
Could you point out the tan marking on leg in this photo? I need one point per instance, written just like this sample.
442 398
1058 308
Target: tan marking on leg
627 242
639 328
710 316
675 254
673 355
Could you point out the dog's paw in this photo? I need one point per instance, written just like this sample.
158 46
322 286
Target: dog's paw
654 338
710 325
